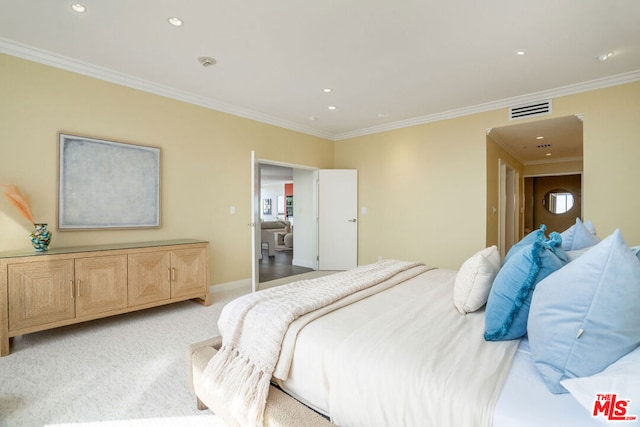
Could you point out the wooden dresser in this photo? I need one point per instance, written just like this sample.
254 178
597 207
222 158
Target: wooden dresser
63 286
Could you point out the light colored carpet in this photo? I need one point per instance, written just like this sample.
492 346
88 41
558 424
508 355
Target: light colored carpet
124 370
191 421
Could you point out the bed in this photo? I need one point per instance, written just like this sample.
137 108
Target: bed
405 352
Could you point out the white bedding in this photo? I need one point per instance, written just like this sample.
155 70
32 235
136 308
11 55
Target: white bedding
526 401
343 366
375 384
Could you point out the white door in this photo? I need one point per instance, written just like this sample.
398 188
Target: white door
509 202
337 219
256 250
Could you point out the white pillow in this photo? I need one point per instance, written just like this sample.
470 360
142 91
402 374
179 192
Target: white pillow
621 378
474 280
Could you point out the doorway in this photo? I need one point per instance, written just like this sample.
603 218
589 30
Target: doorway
542 148
340 197
555 201
284 247
509 230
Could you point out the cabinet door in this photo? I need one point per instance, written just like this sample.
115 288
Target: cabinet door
189 272
40 293
149 277
101 284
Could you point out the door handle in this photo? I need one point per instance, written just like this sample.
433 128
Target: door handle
353 220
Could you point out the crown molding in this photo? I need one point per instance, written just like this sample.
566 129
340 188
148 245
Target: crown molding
604 82
496 138
547 161
30 53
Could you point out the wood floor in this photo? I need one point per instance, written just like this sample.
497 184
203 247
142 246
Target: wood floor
278 266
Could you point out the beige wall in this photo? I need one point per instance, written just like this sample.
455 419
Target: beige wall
425 187
553 168
205 158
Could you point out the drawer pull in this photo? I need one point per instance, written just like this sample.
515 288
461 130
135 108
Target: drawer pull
78 287
173 273
72 290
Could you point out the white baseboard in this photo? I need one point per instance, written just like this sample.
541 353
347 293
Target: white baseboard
231 286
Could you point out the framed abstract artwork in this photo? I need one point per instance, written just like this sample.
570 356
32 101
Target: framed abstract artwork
105 184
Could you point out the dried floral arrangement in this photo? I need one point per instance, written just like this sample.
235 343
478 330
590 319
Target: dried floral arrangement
19 201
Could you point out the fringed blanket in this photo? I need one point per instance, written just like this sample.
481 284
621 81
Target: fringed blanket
254 326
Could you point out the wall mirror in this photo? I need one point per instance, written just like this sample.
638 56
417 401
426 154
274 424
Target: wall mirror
558 201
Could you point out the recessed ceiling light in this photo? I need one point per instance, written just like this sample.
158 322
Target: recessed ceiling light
176 22
548 154
327 90
77 7
313 118
539 137
606 56
520 52
332 107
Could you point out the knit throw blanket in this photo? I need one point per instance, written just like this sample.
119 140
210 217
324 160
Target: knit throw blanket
253 327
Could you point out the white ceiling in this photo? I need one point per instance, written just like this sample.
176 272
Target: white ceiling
389 64
273 174
542 141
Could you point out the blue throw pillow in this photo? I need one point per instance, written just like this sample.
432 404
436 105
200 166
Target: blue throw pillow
579 236
585 316
527 240
508 303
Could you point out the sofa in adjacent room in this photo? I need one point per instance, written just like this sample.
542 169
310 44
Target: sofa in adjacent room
269 233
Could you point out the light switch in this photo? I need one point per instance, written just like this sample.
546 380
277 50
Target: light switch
363 211
232 210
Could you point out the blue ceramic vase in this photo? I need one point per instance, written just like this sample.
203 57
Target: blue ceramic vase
40 237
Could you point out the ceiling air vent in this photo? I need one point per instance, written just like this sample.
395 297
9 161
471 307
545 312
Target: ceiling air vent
530 110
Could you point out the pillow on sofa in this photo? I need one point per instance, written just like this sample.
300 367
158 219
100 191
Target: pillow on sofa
585 316
579 236
474 279
508 303
621 378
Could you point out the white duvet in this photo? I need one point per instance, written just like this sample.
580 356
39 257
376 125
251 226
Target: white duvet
403 357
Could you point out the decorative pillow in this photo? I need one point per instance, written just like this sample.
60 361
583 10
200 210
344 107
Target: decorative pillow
508 303
574 255
585 316
474 279
527 240
621 379
579 236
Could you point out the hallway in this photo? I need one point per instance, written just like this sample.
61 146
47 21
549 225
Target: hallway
278 266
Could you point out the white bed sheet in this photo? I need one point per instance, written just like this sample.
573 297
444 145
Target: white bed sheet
526 401
523 402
